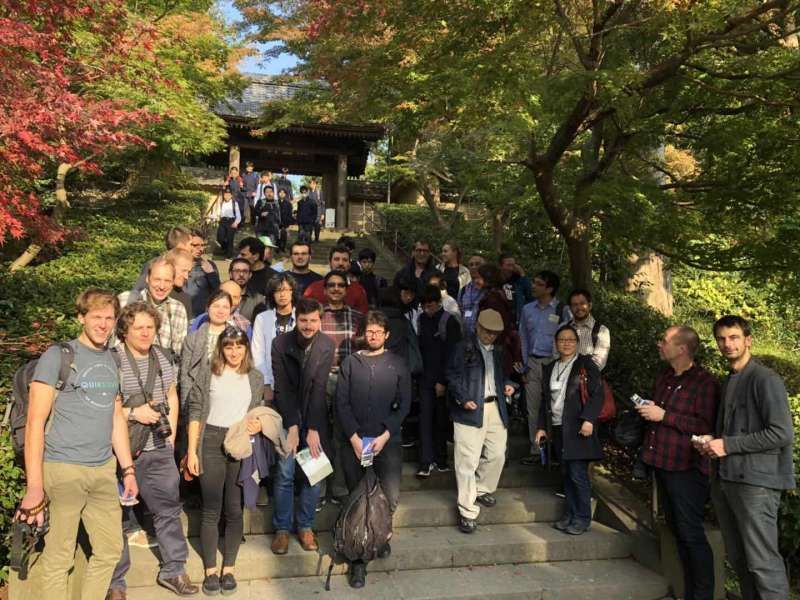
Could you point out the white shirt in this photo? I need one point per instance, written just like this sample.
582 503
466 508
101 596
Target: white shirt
229 397
558 387
599 352
489 388
230 210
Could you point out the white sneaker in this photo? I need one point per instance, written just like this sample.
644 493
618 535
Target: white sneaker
140 539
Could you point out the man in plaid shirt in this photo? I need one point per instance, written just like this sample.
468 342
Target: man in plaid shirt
684 403
340 322
343 325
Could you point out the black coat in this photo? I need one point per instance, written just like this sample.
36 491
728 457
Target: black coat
575 446
306 212
408 272
373 399
300 390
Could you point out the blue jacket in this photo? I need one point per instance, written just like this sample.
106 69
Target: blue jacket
468 383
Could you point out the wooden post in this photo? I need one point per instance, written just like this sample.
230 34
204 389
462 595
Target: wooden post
341 192
233 158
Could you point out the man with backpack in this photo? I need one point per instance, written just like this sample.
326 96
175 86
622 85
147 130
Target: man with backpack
74 422
150 405
439 333
373 396
480 418
594 339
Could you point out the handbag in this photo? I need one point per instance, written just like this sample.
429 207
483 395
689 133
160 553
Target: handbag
609 408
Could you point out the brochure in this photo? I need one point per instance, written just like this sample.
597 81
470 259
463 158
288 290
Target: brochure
367 451
316 469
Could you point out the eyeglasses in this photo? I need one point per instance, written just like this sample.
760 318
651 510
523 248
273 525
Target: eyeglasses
334 284
567 341
375 333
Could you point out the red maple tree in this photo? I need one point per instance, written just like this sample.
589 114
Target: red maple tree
51 54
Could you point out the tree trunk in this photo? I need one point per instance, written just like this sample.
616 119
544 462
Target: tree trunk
61 206
580 261
433 205
499 218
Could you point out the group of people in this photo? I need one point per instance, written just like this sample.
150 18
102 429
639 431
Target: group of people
268 204
227 382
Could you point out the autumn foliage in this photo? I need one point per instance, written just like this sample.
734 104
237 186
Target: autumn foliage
52 55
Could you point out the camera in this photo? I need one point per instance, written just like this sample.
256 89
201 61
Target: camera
161 428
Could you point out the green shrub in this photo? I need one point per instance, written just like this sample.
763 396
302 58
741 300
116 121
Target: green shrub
38 302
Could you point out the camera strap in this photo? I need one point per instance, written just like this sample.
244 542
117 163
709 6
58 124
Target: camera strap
153 369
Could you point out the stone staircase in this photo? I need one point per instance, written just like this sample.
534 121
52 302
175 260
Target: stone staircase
515 553
386 265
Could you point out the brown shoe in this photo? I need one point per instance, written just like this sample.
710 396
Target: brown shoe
180 585
114 594
280 543
307 540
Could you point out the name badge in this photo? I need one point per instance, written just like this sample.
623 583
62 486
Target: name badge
553 318
555 385
467 314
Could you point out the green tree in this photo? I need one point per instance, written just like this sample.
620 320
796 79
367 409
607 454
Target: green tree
600 102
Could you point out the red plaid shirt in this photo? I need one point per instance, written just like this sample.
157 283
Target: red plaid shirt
343 326
690 401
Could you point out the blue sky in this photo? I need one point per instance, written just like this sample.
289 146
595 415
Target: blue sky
257 63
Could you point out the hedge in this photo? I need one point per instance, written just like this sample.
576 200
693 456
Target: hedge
37 307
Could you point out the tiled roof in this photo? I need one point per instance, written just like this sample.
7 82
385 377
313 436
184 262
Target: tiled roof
262 89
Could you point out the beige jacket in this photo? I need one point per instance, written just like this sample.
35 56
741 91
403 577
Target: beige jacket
237 440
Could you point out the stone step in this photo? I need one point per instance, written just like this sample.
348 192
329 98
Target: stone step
413 548
430 508
514 475
614 579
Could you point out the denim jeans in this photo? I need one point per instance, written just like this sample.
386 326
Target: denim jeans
283 510
158 480
219 484
684 495
578 491
433 426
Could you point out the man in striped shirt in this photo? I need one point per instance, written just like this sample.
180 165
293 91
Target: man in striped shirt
594 339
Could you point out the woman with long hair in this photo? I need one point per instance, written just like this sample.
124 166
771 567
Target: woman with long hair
228 387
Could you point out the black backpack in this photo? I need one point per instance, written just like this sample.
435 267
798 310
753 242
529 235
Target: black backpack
364 524
16 416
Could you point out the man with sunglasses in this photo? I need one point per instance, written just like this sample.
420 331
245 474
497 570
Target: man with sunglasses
355 296
419 268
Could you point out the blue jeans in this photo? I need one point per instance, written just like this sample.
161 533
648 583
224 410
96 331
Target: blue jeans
578 491
283 511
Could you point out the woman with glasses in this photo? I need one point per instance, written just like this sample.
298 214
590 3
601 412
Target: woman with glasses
572 396
228 387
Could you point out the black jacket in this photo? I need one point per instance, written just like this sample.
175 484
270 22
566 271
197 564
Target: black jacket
756 427
576 447
306 211
409 273
437 352
300 390
373 399
286 213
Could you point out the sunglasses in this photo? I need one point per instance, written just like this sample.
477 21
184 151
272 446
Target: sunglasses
335 285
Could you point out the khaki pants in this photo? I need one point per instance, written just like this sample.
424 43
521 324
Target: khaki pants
80 493
479 453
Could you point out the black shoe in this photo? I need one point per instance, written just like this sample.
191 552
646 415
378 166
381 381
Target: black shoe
531 461
560 494
486 500
467 525
562 523
211 585
358 574
228 584
424 471
385 552
442 468
321 504
409 443
576 529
